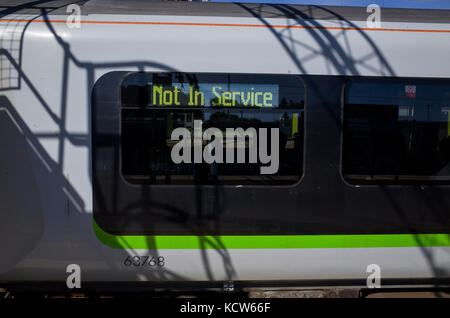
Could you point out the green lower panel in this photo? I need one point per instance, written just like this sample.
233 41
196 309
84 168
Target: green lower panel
269 241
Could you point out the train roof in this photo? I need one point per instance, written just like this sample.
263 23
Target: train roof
142 7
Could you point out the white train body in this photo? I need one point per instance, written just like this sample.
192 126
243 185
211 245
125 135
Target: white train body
46 187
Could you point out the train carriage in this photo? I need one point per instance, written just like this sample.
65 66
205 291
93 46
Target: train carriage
345 144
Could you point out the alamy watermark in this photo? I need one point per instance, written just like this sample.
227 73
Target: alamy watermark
374 19
374 279
257 143
74 278
73 21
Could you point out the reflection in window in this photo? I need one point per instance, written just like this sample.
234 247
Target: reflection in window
154 105
397 132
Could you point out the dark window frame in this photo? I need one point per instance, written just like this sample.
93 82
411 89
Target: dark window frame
302 150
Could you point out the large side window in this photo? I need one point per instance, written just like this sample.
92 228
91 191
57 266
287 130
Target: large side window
397 132
257 123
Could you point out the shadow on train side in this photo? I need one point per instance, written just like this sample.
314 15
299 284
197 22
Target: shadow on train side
339 58
56 192
345 63
342 60
59 195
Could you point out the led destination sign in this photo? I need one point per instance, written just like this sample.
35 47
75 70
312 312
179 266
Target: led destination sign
209 90
215 95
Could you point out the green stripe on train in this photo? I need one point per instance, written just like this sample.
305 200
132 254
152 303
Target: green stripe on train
269 241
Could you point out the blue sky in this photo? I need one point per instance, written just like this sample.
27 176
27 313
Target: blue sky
427 4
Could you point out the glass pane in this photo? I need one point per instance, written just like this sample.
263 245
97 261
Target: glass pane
397 132
266 110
